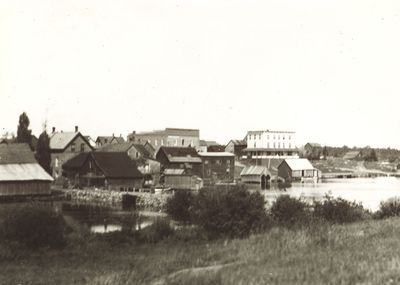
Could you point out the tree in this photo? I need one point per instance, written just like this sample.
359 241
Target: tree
325 152
43 151
24 135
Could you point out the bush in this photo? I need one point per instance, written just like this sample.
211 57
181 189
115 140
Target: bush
339 210
179 206
159 230
229 212
389 208
289 211
34 226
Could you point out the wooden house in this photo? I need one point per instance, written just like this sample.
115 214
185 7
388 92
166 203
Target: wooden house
108 170
20 173
145 162
217 167
297 169
237 147
353 155
64 146
185 158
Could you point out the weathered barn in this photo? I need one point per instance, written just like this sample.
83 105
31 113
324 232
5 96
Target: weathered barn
236 147
177 179
297 169
20 173
109 170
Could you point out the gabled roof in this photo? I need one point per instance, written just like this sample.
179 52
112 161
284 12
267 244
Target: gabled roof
298 164
16 153
314 144
216 148
17 163
103 139
171 171
118 139
180 154
352 154
207 143
60 140
238 142
113 164
254 170
216 154
125 147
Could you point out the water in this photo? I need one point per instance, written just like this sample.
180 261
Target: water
368 191
98 219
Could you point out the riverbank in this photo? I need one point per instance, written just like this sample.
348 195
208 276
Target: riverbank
364 252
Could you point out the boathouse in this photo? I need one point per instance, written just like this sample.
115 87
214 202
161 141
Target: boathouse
256 174
297 169
20 173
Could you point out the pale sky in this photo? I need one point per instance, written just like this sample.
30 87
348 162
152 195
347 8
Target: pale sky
328 70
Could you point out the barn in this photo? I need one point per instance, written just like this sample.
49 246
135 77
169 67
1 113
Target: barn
20 173
256 174
297 169
108 170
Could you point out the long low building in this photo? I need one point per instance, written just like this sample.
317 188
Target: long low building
20 173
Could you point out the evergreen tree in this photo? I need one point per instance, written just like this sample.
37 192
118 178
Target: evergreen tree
24 135
43 151
325 152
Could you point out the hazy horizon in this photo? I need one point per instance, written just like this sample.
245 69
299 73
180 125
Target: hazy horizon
327 71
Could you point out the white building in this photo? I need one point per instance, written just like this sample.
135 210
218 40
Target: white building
271 144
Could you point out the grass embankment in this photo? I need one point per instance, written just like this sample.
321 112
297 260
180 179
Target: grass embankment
364 252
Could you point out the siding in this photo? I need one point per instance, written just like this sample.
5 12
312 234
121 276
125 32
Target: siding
25 188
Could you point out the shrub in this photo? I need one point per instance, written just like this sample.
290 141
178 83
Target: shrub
159 230
339 210
179 206
389 208
229 212
289 211
34 226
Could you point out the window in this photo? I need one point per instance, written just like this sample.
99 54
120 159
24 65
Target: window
279 137
267 144
56 162
279 145
268 137
183 142
283 137
259 136
73 147
254 145
283 145
290 137
82 147
206 161
274 144
290 145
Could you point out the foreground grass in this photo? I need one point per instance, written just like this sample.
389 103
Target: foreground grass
361 253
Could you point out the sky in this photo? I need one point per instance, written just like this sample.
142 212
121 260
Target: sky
328 70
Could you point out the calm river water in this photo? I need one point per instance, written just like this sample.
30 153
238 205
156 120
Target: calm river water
369 191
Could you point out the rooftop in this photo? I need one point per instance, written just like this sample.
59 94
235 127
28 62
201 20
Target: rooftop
299 164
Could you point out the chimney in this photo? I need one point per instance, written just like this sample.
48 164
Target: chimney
54 130
76 129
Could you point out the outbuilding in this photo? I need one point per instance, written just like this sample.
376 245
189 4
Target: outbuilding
20 173
297 169
256 174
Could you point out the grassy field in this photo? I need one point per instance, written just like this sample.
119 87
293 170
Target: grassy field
361 253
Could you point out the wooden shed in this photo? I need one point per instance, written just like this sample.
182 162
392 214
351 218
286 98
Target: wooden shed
297 169
20 173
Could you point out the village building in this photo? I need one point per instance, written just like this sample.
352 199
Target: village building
216 148
168 137
177 179
299 169
270 144
147 165
256 174
237 147
217 167
20 173
104 140
312 151
64 146
203 145
353 155
185 158
108 170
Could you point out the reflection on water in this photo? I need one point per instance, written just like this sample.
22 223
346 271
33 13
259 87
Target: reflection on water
98 219
369 191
